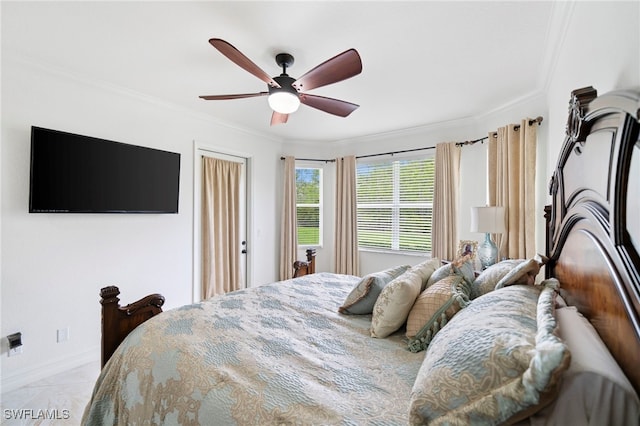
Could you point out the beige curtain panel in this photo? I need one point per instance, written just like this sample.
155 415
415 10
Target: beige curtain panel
220 228
512 173
346 231
288 220
444 228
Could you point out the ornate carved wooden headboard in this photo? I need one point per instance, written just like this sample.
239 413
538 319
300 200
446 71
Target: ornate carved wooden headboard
593 228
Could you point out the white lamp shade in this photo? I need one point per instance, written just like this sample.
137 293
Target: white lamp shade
284 102
487 220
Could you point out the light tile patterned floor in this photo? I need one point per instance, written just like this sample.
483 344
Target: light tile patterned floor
60 398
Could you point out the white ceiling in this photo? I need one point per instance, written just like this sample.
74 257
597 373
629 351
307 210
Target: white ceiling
423 62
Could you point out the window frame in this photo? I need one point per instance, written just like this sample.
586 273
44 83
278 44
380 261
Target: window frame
320 205
396 205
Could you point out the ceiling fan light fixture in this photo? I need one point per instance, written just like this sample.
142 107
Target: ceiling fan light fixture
285 93
284 102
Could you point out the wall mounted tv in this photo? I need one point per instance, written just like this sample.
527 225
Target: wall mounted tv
80 174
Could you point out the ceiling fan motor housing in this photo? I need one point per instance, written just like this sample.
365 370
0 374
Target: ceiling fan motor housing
285 83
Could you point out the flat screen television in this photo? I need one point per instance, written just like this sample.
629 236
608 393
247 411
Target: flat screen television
80 174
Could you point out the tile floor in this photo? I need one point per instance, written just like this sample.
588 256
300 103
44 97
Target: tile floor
63 396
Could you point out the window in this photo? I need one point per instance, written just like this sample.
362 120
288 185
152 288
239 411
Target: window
395 205
309 206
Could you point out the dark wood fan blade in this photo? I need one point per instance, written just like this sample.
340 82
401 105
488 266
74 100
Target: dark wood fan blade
340 67
223 97
330 105
278 118
242 61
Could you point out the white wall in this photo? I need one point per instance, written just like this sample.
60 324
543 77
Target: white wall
601 49
53 265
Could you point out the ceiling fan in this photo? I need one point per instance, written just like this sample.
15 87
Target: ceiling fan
286 93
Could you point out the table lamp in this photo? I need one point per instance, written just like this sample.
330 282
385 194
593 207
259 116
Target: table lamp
488 220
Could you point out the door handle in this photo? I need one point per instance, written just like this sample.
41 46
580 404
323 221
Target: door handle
244 250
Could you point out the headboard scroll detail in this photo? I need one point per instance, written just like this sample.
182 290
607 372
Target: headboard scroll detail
580 99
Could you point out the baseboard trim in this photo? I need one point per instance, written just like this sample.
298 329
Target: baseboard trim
26 376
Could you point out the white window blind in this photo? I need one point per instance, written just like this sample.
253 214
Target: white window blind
309 206
395 204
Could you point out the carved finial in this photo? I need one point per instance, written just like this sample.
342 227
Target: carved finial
109 294
310 254
578 104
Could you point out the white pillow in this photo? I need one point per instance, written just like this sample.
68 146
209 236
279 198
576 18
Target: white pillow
594 389
392 307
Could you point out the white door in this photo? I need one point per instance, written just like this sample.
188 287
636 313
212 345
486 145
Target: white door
197 213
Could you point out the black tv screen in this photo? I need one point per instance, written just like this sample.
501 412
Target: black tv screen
80 174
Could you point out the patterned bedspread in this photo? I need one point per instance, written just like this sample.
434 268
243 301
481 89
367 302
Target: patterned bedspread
276 354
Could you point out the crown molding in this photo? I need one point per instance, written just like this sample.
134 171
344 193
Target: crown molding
408 131
528 98
561 15
103 85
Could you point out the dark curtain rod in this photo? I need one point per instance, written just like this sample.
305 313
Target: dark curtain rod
471 142
535 120
366 156
312 159
395 152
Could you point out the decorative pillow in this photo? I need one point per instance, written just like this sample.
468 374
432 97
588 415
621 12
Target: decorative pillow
426 269
462 266
523 273
496 362
594 389
364 295
433 308
396 299
488 278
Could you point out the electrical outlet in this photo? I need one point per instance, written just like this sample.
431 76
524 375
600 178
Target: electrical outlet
15 351
15 344
63 334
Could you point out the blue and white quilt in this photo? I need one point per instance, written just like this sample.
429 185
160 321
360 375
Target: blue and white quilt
276 354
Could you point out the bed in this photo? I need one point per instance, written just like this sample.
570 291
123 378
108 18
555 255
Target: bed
324 348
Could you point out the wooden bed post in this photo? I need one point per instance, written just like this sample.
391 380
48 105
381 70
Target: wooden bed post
118 322
110 306
547 238
301 268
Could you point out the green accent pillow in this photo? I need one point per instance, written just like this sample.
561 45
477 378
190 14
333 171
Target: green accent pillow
497 361
364 295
